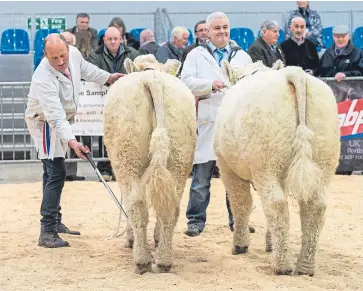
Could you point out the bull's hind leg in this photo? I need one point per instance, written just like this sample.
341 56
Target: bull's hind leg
138 214
312 221
277 214
239 194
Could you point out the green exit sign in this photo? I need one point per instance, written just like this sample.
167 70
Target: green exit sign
48 23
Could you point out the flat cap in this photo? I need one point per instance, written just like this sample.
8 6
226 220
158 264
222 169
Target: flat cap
341 29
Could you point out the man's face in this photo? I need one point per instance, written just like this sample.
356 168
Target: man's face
112 41
58 56
201 32
218 32
82 23
341 40
182 41
271 36
298 29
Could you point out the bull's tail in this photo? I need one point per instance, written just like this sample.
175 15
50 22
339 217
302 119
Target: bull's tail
303 175
158 182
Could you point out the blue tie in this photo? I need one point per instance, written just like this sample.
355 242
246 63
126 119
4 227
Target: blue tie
220 53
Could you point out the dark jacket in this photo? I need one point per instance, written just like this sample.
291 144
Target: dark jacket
168 51
260 51
304 55
105 61
149 48
94 40
351 63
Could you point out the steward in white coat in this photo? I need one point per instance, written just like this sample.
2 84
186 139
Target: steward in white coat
52 104
203 75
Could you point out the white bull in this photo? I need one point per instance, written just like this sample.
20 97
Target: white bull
278 129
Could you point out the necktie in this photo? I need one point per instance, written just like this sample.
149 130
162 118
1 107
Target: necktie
67 73
220 53
273 48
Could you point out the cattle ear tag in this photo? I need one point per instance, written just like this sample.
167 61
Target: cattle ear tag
172 67
129 66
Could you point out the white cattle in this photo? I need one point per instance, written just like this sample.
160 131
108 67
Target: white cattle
278 129
150 135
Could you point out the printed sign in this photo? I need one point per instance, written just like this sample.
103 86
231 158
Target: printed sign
48 23
89 116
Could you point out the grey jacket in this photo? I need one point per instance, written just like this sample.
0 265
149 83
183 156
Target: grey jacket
168 51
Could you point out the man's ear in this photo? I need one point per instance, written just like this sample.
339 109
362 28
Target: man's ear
172 67
129 66
228 72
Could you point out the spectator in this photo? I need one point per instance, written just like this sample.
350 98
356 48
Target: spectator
82 23
83 43
111 57
174 48
128 39
202 74
314 27
201 33
147 42
69 37
298 50
342 59
266 48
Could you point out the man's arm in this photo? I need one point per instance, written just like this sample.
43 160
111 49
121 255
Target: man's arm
257 55
162 55
199 87
92 73
48 97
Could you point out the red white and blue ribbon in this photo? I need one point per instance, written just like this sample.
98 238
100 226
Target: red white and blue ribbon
46 138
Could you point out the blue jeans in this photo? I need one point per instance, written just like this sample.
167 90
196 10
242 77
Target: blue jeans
199 196
53 181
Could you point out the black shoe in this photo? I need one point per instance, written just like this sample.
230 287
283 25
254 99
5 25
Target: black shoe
192 231
51 240
75 178
63 229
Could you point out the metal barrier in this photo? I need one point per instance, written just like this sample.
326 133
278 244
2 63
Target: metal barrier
17 146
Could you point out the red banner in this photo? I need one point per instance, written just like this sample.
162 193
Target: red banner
350 115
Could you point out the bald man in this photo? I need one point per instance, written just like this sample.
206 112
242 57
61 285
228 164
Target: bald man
52 104
147 42
110 56
69 37
298 50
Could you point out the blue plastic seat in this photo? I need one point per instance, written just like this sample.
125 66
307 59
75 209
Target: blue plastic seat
281 35
327 37
358 37
39 38
136 33
15 41
243 36
191 38
101 33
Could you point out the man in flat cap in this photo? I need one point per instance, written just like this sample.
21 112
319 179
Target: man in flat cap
342 59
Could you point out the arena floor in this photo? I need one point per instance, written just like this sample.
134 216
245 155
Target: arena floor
201 263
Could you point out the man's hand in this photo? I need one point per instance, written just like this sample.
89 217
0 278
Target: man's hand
339 77
78 148
114 77
218 85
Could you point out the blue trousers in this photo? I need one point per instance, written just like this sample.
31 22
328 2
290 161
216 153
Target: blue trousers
53 181
200 195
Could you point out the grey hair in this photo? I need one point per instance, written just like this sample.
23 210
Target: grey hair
269 24
178 32
215 15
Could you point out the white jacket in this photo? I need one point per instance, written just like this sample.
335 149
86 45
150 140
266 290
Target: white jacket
199 71
53 101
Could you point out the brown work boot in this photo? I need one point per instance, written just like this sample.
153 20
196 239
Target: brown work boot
51 239
63 229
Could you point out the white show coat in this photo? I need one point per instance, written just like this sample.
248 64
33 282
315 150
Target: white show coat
53 101
199 71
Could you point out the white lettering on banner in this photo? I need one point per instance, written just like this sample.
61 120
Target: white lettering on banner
89 116
352 117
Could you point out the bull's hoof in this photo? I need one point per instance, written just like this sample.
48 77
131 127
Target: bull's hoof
287 272
142 268
251 229
162 268
239 250
268 248
300 272
129 244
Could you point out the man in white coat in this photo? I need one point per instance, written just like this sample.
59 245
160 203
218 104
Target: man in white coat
203 75
52 104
